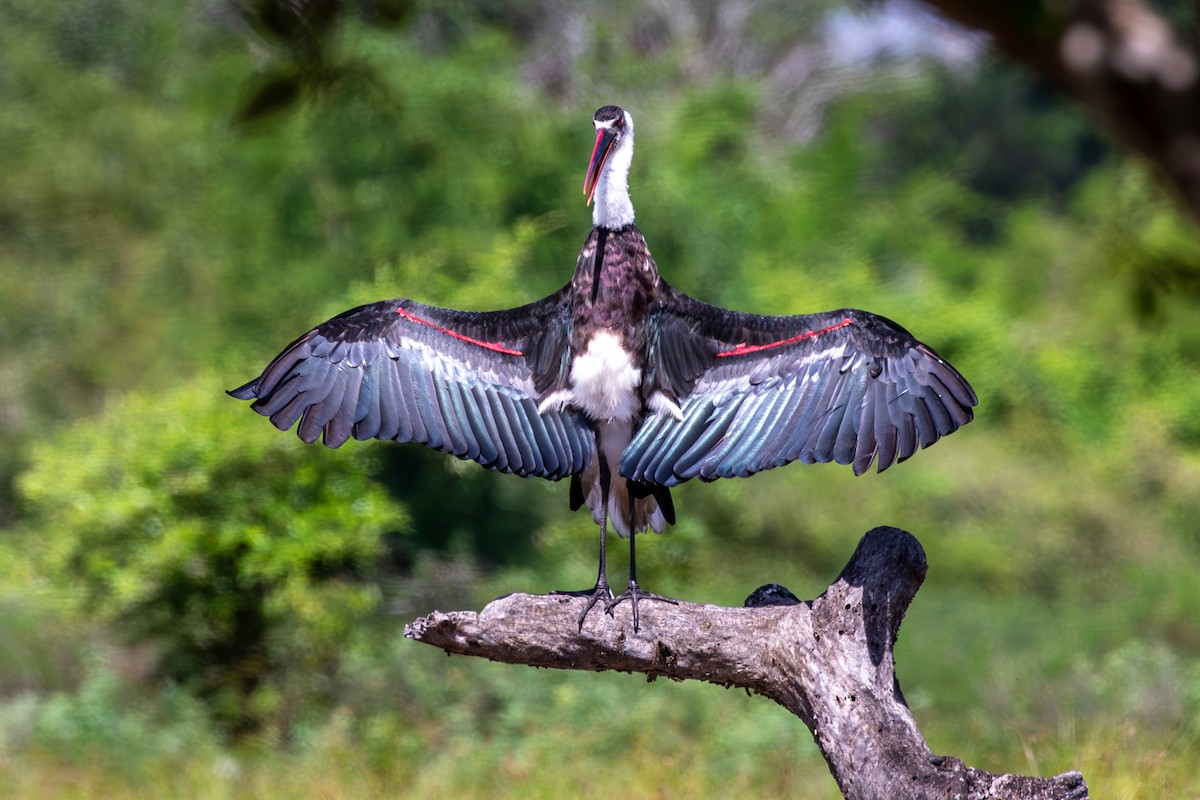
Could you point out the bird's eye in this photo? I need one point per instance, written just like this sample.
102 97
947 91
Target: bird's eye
619 122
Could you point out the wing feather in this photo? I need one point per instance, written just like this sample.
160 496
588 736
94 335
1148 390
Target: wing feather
886 435
430 414
758 392
366 411
483 426
753 440
508 454
846 442
461 382
696 461
338 428
466 413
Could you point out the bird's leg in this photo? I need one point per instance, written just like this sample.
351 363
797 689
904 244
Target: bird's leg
633 592
601 589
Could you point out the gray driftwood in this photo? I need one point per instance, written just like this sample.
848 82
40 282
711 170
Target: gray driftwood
829 661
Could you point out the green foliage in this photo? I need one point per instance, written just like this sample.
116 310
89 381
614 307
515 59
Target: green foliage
107 715
145 242
245 561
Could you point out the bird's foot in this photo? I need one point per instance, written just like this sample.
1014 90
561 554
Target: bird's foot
594 595
633 593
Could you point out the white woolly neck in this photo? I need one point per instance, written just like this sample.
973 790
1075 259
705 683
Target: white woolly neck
614 209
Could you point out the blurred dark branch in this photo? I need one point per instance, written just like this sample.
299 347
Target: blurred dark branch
1119 57
828 661
299 34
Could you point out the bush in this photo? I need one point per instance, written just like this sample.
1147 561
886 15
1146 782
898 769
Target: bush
243 557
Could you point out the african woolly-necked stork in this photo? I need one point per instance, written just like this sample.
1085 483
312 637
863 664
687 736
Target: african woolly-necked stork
617 380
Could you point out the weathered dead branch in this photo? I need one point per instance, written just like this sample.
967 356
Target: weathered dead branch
829 661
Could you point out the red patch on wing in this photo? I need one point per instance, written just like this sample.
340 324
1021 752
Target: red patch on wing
493 346
745 349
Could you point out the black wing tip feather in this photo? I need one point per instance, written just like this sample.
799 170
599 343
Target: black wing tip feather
248 391
965 414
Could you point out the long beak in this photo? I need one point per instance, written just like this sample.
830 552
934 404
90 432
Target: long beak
604 141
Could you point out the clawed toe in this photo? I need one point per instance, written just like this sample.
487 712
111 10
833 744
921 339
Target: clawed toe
599 592
633 593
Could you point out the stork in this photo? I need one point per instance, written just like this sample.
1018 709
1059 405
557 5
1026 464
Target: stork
617 381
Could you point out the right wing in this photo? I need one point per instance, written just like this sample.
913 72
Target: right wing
462 382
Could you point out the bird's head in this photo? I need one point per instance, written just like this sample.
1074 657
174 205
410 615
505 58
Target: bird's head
614 134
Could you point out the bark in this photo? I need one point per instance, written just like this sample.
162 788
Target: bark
1119 57
829 661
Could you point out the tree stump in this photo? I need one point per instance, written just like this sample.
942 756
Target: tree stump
829 661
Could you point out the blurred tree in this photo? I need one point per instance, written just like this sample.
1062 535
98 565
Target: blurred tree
303 63
1131 63
245 561
1002 133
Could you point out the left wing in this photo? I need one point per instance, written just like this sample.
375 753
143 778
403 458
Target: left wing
758 392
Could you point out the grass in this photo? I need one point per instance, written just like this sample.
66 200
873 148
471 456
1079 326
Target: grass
1024 652
1037 692
1120 761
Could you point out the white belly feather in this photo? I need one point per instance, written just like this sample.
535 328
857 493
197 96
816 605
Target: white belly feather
606 386
605 381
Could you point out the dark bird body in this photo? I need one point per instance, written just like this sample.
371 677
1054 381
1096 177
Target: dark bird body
617 380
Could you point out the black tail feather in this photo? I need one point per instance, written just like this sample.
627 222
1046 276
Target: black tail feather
661 495
577 497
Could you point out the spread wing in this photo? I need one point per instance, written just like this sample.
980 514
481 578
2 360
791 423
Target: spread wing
461 382
758 392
